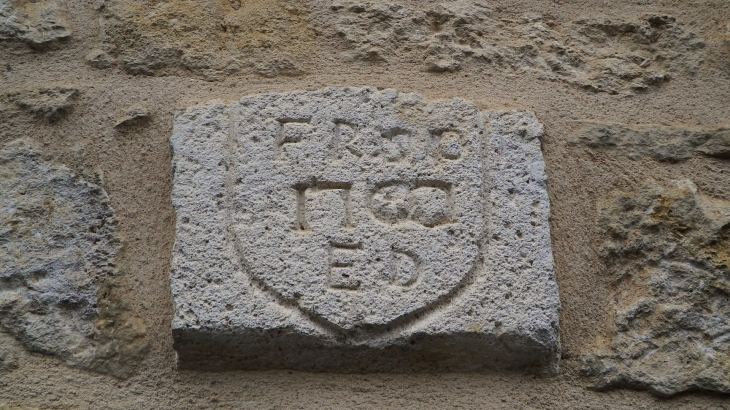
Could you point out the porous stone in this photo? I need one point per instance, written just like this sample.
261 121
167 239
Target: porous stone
598 55
48 104
37 23
663 143
8 354
133 116
209 38
668 253
98 58
353 229
58 272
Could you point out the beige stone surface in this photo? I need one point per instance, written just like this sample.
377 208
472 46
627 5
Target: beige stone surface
136 159
667 253
58 276
208 38
662 143
595 53
40 24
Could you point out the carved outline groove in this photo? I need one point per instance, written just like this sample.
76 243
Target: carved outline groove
358 334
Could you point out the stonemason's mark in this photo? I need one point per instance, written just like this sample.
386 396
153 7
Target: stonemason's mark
344 137
429 203
405 270
345 134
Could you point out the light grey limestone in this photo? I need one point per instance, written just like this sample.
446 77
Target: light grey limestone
663 143
353 229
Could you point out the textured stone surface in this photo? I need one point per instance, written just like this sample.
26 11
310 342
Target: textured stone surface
49 104
37 23
662 143
8 353
133 116
58 251
599 55
211 38
353 229
669 256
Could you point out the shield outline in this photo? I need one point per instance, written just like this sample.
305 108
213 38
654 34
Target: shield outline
402 320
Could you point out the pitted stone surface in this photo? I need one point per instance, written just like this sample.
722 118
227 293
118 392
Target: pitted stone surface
371 230
39 24
58 267
335 195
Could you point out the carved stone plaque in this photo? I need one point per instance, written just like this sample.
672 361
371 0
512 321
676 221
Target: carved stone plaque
352 229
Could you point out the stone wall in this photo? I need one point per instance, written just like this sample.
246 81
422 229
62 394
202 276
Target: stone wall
603 285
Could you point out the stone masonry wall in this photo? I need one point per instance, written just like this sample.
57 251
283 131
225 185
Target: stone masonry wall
568 161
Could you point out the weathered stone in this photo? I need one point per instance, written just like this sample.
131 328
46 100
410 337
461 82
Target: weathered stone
669 253
352 229
132 117
596 55
49 104
58 252
662 143
8 354
37 23
209 38
99 59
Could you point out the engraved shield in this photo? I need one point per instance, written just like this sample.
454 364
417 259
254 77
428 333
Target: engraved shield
359 208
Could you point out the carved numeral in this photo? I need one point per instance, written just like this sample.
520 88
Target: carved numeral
428 203
322 210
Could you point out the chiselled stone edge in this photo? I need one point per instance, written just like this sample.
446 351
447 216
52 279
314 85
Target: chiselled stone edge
519 133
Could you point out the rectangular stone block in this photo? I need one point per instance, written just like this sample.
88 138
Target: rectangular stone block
355 229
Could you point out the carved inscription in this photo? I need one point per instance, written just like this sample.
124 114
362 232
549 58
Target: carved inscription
405 268
395 143
324 202
345 136
428 203
349 211
344 272
291 131
351 220
450 145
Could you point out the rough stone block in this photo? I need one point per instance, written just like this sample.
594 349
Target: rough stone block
40 24
352 229
58 267
666 251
